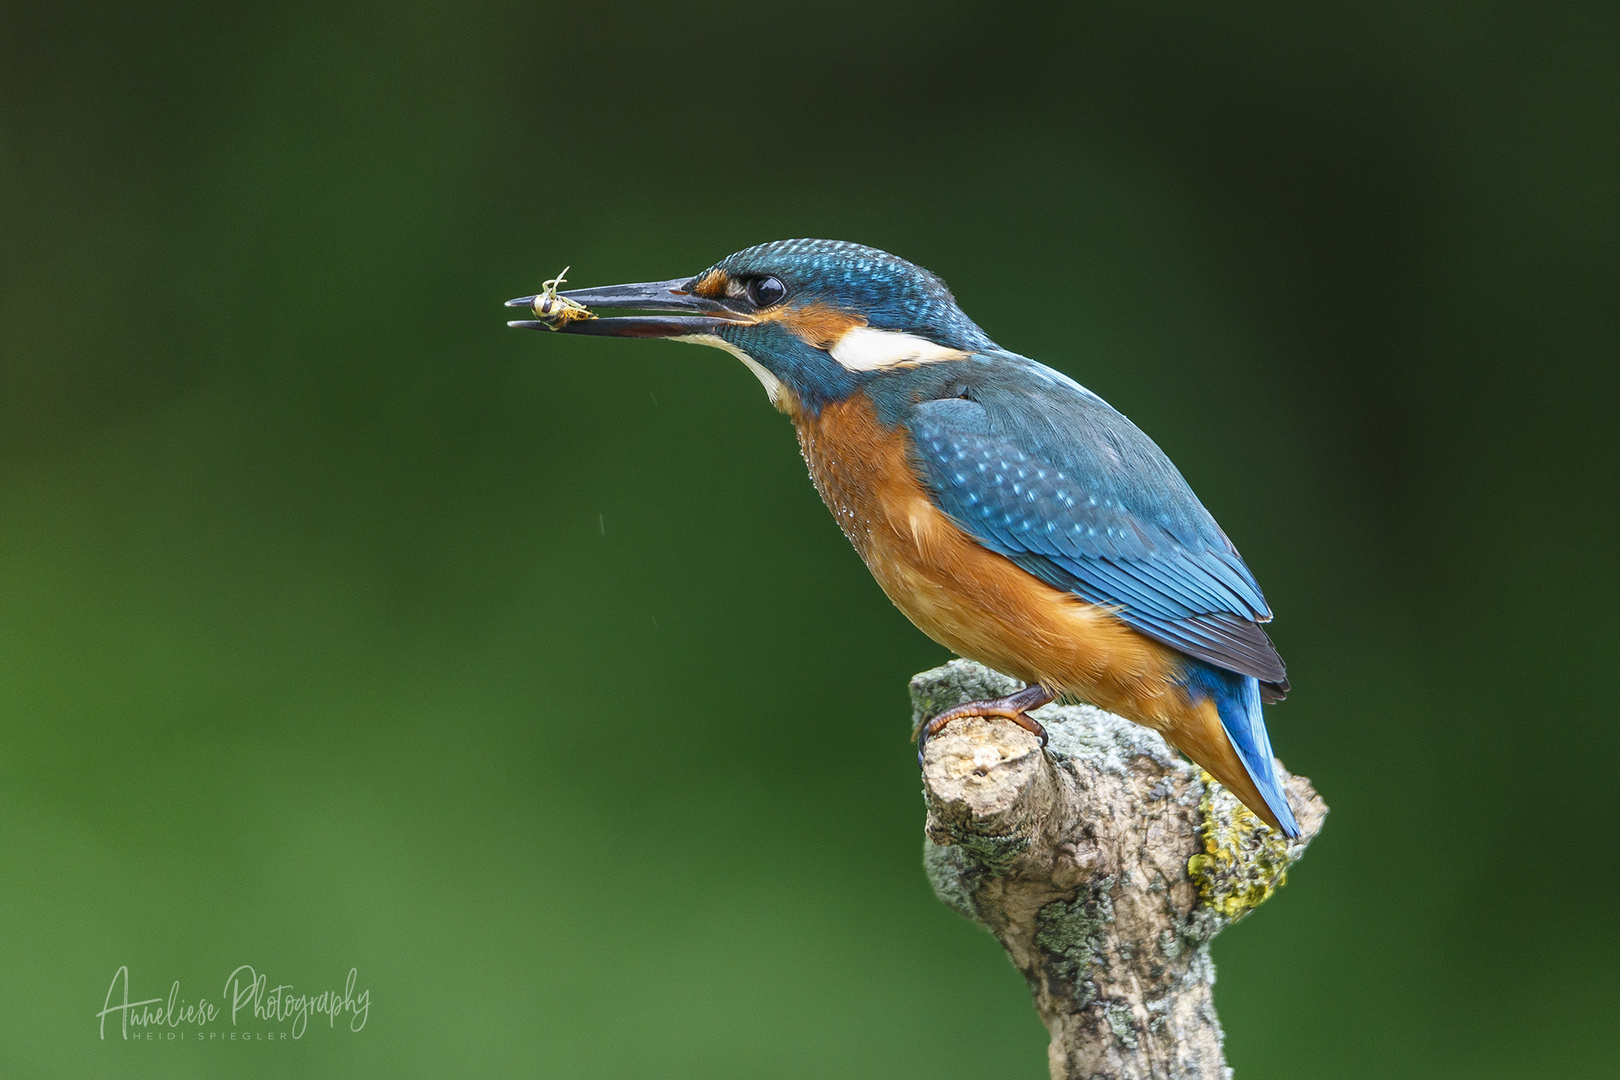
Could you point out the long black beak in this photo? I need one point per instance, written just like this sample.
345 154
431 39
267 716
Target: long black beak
644 296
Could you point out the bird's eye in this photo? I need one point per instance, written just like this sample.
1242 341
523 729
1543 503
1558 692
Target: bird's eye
766 291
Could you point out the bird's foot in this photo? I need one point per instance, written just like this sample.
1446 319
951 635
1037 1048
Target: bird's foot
1012 707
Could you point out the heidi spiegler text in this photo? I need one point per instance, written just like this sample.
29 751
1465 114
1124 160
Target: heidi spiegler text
256 1010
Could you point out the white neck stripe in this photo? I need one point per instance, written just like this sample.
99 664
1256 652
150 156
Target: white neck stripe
862 348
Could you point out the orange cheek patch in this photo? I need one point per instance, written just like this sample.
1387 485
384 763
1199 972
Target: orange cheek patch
815 324
711 285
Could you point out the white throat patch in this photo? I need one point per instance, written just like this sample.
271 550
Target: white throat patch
865 349
772 385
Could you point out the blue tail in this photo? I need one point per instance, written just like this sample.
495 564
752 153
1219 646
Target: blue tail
1237 700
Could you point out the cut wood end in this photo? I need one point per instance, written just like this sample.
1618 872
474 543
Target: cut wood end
982 762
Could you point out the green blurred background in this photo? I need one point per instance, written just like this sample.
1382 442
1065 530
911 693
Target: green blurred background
342 627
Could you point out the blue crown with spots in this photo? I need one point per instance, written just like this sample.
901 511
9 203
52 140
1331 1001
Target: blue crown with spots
889 292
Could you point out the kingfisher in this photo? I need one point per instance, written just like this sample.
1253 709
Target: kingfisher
1013 515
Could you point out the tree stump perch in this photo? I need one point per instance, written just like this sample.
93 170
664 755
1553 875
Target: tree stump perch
1104 866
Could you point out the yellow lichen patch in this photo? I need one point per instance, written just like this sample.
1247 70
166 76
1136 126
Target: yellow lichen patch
1244 860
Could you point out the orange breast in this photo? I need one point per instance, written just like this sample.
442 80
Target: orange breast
966 597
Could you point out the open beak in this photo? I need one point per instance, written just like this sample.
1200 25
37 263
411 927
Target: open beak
670 296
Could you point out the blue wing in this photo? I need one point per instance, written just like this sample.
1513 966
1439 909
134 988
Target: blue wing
1047 474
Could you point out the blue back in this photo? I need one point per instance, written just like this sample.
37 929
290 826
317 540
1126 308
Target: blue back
1044 472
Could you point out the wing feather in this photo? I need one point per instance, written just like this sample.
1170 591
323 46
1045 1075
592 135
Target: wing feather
1071 491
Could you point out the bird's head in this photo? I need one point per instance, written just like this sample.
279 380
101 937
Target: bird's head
813 319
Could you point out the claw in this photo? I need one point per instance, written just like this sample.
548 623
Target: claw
1012 707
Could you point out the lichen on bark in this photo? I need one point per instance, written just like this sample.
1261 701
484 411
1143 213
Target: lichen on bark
1243 862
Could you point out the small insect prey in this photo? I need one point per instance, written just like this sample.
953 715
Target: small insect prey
558 311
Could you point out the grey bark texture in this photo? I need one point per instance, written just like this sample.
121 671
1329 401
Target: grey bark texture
1104 866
